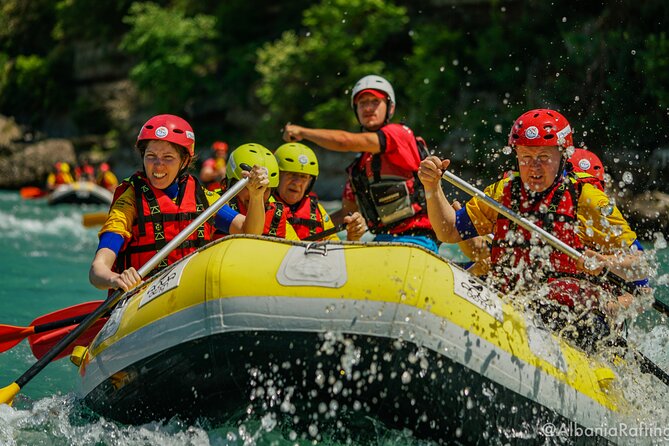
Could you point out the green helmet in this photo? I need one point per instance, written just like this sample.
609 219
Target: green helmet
252 154
298 158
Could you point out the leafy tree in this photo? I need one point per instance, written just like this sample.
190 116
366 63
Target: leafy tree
174 53
306 75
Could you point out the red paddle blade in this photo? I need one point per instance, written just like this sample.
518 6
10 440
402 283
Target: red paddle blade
32 192
69 312
10 336
41 343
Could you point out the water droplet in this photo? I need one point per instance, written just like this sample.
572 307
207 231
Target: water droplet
606 210
506 150
591 263
628 178
406 377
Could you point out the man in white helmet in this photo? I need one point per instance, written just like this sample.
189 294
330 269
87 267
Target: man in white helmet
382 181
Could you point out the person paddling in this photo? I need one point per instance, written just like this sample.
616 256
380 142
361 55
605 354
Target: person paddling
572 208
382 181
60 175
298 167
106 178
155 204
276 217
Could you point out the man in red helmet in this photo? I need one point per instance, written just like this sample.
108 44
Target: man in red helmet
382 182
154 205
213 169
572 208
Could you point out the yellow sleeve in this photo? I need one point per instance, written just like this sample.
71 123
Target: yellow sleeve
601 225
122 215
327 223
51 179
483 217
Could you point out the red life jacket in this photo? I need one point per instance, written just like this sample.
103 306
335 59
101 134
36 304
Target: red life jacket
555 211
391 198
275 218
160 219
62 178
306 219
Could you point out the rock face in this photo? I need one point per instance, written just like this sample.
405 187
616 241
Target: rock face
24 162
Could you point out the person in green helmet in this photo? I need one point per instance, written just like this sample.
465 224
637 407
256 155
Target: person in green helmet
299 169
276 217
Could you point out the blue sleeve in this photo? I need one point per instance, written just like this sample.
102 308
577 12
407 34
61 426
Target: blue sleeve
643 282
464 225
111 240
224 218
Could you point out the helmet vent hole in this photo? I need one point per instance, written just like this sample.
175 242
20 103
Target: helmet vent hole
550 136
177 130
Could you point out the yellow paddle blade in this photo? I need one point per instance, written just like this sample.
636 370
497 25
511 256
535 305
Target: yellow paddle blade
8 393
94 219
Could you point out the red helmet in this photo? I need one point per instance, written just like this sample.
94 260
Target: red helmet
104 167
169 128
585 161
541 127
220 146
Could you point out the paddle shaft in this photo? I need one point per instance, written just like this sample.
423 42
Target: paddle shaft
112 300
326 233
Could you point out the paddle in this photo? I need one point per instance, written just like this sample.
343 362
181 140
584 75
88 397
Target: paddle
326 233
11 335
646 364
8 393
52 327
29 192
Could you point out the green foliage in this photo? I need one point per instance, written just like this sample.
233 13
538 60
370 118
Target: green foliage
92 20
24 86
25 27
175 55
306 76
653 62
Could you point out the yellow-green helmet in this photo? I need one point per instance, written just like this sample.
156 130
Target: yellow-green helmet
251 154
298 158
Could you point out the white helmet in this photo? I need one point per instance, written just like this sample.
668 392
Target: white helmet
374 82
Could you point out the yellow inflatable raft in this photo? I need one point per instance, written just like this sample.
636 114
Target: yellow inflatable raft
391 331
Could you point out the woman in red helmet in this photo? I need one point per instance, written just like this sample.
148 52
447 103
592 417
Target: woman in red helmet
572 208
152 206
